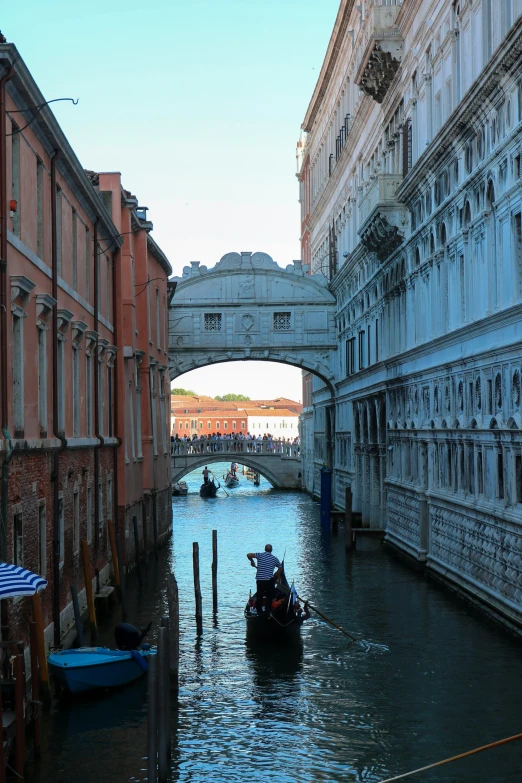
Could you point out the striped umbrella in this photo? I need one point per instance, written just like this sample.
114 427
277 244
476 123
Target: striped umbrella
15 581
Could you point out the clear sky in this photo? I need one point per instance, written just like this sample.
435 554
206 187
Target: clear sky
198 103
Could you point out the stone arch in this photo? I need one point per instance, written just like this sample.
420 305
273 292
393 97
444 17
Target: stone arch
242 459
513 422
473 424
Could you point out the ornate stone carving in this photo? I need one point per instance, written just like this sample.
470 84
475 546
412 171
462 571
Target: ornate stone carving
383 54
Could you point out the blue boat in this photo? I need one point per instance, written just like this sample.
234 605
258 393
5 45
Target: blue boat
90 668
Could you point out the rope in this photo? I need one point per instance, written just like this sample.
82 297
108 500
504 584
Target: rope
281 624
454 758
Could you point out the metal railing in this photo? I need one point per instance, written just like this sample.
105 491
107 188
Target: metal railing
267 448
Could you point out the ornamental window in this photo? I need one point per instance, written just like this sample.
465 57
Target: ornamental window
282 321
212 322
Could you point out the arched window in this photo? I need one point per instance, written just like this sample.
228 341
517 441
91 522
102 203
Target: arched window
466 219
490 195
443 236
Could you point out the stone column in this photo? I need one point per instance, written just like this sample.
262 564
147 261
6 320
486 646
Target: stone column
423 500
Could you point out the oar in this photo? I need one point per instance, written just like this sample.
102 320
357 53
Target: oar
220 487
316 610
454 758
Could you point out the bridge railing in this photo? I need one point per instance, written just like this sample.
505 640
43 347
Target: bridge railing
266 448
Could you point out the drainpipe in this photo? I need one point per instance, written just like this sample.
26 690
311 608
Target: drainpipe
3 336
101 440
56 429
115 387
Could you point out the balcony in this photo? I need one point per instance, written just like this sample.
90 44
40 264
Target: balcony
383 53
383 219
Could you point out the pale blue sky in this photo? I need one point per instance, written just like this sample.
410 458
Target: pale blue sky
198 103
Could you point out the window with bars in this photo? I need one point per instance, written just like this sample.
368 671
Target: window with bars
212 322
282 322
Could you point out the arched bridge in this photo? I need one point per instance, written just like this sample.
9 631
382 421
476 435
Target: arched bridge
248 307
280 463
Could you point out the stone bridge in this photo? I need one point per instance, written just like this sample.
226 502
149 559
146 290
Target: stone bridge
248 307
279 463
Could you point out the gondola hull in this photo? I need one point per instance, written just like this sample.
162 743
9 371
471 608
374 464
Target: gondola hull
208 490
283 620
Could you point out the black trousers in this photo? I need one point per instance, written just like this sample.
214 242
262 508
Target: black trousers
265 587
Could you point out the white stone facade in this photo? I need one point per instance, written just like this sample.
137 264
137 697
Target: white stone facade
411 196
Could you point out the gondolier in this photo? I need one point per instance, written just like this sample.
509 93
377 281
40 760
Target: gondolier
266 562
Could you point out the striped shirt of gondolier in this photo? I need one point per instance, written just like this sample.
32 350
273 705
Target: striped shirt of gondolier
266 562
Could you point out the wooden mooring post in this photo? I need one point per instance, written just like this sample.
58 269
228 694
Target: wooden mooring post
163 706
2 759
137 547
123 587
42 656
35 689
173 602
114 551
152 719
197 588
214 571
77 616
348 520
86 557
20 711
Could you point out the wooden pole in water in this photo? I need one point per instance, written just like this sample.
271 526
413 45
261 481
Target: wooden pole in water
145 533
348 523
197 588
42 657
165 623
35 689
163 706
155 524
123 587
114 550
152 719
137 547
2 762
20 718
173 601
77 616
214 570
86 557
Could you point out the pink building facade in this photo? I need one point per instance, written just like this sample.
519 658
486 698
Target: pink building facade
65 300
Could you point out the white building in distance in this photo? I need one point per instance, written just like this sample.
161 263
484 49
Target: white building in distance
278 423
411 196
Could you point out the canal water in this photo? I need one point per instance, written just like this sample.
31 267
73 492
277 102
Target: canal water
426 679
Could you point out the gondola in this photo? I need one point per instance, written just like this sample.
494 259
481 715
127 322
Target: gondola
286 617
209 490
231 481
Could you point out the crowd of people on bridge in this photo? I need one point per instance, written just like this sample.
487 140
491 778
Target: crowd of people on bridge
216 442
